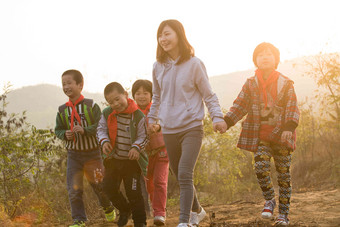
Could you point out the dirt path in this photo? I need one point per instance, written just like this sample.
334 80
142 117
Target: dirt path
310 208
316 208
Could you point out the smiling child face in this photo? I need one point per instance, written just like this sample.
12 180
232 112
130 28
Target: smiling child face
70 86
142 97
117 101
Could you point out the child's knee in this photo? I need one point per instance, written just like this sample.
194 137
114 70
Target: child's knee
75 192
262 166
135 197
160 184
110 189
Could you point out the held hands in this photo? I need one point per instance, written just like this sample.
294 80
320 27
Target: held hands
152 128
107 148
133 154
220 126
286 135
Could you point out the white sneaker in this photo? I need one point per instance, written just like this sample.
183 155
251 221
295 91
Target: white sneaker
268 209
196 218
185 225
159 220
282 220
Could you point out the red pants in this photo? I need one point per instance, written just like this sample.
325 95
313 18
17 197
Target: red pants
158 170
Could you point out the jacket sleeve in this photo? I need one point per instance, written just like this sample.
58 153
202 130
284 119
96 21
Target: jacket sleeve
209 97
156 95
59 129
91 129
240 106
292 113
102 131
141 139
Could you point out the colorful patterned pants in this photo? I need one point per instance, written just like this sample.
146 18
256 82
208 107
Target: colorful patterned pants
282 159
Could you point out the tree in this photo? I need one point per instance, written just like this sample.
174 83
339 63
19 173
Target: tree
221 165
325 69
24 151
318 134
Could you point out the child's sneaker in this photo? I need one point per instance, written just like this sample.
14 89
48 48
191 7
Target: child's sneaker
282 220
268 209
77 223
139 225
185 225
196 218
159 220
110 216
123 218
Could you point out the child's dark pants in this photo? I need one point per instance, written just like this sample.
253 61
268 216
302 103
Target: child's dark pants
129 172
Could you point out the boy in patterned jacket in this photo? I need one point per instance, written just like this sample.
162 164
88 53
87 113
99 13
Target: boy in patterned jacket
76 125
122 135
269 101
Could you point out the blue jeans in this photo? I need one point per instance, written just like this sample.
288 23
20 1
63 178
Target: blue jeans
183 150
78 164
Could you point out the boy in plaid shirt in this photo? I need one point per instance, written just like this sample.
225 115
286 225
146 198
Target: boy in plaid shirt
269 101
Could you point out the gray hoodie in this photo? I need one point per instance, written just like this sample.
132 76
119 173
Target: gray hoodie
178 94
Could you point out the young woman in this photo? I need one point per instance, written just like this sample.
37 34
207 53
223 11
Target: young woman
180 84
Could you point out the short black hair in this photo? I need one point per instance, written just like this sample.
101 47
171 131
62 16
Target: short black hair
261 47
146 84
76 75
113 86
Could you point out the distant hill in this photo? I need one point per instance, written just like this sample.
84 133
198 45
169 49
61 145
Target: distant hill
41 101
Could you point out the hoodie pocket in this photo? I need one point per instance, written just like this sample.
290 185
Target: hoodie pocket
176 116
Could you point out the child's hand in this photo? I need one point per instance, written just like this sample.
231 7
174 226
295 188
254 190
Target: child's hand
220 126
133 154
286 135
152 128
78 129
156 127
107 148
69 135
98 175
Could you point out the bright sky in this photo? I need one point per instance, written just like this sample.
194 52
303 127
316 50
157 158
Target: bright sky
116 40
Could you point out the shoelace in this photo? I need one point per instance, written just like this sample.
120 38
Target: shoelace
269 206
282 218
